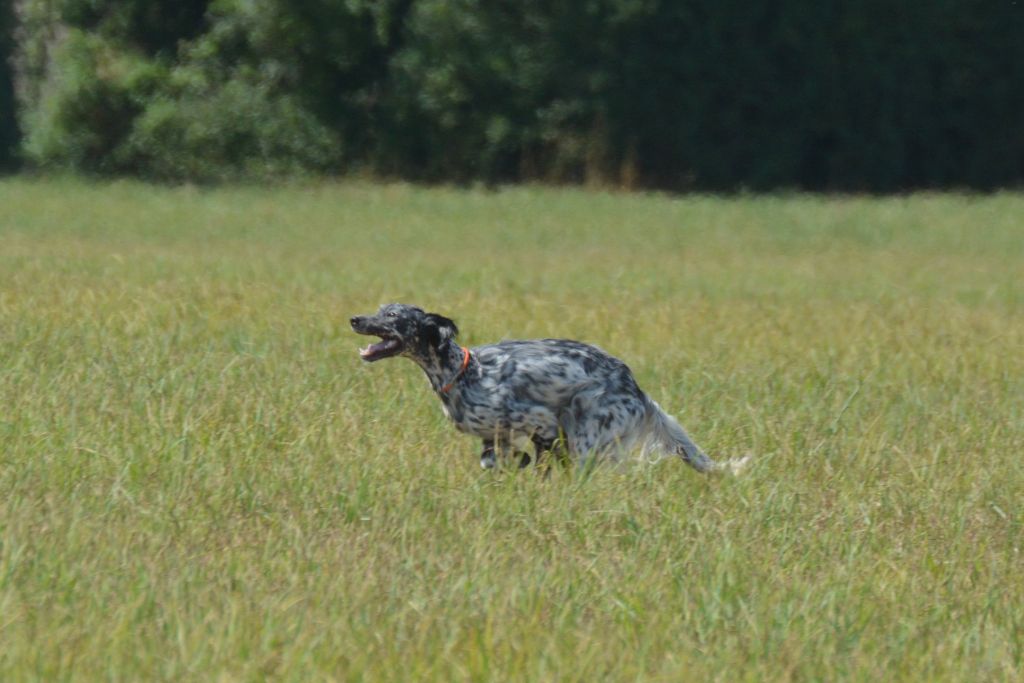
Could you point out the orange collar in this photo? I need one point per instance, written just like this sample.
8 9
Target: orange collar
465 364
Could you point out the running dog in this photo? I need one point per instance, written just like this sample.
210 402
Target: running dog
543 391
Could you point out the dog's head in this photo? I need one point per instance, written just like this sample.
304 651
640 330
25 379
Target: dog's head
404 330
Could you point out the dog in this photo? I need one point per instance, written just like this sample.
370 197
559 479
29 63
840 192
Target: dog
544 392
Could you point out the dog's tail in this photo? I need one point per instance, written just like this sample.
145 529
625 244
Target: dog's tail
667 434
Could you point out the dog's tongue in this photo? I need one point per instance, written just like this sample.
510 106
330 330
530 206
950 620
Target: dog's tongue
381 347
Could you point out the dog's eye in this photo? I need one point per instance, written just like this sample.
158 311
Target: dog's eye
391 314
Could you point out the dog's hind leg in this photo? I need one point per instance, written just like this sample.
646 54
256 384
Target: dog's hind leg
597 424
548 451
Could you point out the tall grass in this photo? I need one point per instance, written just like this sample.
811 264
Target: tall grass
199 480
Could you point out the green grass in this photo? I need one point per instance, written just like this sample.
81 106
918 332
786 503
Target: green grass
199 480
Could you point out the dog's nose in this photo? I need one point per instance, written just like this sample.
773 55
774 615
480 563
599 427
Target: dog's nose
355 320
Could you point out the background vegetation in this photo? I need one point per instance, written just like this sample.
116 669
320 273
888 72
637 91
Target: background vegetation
201 481
8 119
705 94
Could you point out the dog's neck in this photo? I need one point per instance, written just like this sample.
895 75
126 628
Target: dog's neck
442 364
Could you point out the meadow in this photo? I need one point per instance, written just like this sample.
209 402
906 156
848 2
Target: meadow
200 481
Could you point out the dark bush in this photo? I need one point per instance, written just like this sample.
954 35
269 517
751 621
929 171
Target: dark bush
720 94
8 120
153 27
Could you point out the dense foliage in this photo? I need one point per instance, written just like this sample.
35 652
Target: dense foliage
713 94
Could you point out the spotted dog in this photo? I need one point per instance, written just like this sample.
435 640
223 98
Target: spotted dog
516 393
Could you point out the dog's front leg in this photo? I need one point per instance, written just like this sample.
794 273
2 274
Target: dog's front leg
488 458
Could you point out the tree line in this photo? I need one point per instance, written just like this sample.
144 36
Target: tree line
680 95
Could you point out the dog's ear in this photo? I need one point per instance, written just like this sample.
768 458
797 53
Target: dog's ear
440 329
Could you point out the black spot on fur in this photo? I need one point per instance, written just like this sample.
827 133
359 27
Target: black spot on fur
508 371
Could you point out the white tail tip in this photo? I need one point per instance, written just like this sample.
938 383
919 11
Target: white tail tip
736 465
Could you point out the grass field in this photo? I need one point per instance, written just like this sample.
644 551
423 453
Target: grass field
199 480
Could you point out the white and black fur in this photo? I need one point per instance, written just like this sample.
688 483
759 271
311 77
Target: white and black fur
541 391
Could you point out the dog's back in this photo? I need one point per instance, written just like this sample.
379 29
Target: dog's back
551 371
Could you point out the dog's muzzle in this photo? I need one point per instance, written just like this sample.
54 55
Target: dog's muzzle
389 345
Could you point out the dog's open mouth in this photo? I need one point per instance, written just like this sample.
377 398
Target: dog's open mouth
387 346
